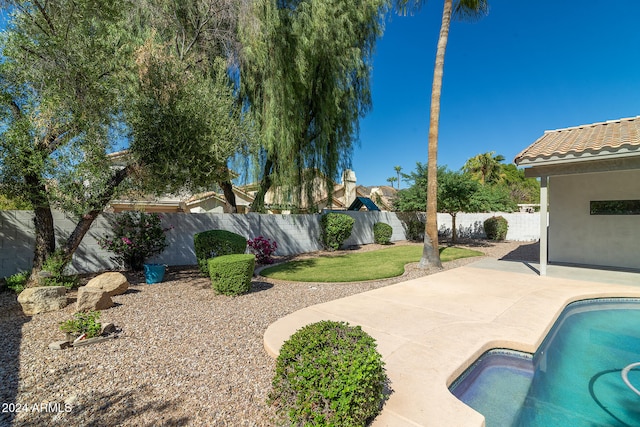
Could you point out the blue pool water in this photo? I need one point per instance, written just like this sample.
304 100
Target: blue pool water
574 379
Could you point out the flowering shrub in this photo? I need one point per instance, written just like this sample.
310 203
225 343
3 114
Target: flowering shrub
262 248
136 237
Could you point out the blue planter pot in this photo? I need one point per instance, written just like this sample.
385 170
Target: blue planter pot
154 273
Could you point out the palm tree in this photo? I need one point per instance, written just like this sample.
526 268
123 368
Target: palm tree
398 169
391 180
469 9
486 167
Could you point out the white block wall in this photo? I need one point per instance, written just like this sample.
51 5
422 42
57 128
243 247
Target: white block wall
293 233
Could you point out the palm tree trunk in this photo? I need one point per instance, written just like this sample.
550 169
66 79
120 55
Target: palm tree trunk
430 252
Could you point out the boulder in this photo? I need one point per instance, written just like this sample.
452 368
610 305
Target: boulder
42 299
113 283
90 299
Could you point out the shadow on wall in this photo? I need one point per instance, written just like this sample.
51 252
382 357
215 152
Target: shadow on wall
11 322
472 231
16 242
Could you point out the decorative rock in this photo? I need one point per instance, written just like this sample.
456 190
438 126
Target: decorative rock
59 345
113 282
92 299
42 299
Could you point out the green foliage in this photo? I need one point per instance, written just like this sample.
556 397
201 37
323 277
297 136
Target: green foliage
521 189
83 323
181 119
311 57
53 272
413 225
328 374
455 191
496 228
17 282
213 243
492 198
413 198
136 237
415 230
231 274
336 228
7 204
486 168
382 233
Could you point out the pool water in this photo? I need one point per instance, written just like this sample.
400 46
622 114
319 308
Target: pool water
574 379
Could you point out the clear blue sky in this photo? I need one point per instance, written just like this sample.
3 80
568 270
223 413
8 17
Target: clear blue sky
525 68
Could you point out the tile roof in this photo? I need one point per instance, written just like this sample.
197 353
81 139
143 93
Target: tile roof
586 141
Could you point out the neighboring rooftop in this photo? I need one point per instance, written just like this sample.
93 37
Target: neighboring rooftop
587 142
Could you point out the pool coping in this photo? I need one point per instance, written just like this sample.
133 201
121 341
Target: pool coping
431 329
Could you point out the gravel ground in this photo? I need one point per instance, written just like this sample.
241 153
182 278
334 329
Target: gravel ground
184 356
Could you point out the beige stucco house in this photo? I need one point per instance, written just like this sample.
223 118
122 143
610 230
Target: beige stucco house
590 181
214 202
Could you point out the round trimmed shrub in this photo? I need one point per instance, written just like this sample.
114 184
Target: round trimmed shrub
231 274
213 243
328 374
496 228
336 228
382 233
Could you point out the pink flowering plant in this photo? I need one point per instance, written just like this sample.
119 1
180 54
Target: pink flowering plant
136 237
263 248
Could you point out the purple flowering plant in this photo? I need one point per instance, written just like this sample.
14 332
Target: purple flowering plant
136 237
263 248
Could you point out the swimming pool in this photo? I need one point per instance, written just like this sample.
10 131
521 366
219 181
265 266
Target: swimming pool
574 379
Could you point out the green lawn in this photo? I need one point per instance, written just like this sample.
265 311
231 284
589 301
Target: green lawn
356 267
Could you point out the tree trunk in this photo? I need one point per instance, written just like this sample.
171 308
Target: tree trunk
265 184
430 252
45 238
83 225
454 231
229 196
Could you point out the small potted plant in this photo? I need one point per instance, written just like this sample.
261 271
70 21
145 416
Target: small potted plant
136 237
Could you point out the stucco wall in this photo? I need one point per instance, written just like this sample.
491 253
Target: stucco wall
293 233
577 237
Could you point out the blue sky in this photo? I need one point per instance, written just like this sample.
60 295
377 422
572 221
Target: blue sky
525 68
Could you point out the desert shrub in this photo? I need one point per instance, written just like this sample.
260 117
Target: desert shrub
83 323
53 272
336 228
496 228
328 374
382 233
16 282
415 230
231 274
263 248
213 243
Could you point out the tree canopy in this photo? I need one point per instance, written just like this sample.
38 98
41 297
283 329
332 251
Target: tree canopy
501 194
305 72
78 77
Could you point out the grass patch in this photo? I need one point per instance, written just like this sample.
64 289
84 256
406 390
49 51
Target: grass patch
356 267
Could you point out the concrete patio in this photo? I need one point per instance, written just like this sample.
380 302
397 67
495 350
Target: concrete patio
429 330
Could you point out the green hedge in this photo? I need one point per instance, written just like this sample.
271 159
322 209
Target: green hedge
496 228
328 374
382 233
213 243
231 274
336 228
